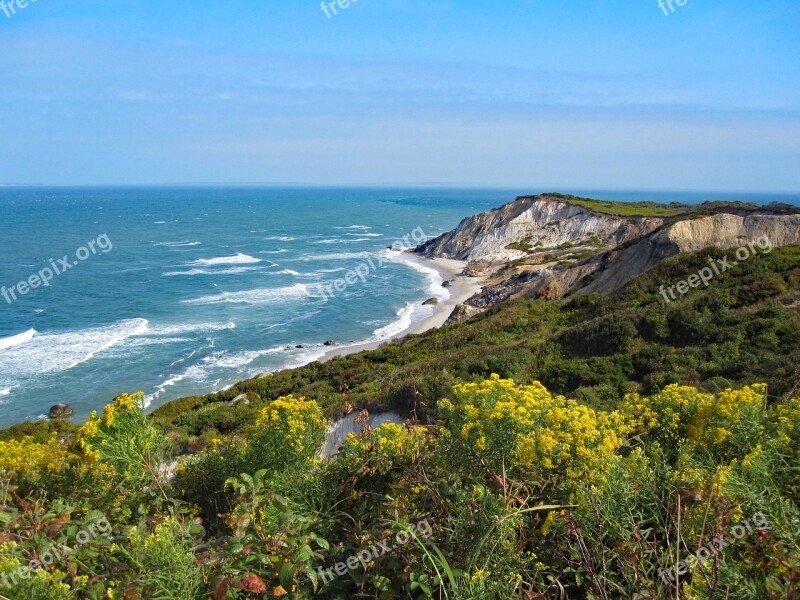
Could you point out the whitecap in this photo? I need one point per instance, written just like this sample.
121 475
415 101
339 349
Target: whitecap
278 251
177 244
435 279
337 256
210 366
258 296
355 227
236 259
16 340
233 271
281 238
288 272
404 320
56 352
166 330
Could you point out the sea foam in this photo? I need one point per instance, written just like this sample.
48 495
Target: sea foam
16 340
56 352
236 259
259 296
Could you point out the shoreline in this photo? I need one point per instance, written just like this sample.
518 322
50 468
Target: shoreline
461 290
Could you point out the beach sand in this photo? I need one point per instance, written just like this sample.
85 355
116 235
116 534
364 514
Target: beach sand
462 289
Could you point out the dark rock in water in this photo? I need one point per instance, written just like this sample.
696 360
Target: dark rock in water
299 346
240 399
431 302
447 284
330 343
61 411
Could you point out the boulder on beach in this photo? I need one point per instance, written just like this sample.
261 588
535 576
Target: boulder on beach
447 284
330 343
61 411
431 302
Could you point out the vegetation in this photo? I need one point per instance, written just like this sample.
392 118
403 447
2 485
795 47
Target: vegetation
674 209
581 449
743 328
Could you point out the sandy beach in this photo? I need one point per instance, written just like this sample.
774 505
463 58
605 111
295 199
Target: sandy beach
461 289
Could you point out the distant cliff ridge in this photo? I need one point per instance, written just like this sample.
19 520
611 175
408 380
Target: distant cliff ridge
551 246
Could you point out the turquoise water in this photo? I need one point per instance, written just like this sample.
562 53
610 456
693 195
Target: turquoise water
188 290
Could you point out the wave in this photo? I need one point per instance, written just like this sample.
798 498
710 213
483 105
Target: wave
233 271
365 227
406 316
165 330
363 238
366 235
56 352
209 367
337 256
404 320
177 244
236 259
281 238
16 340
288 272
435 279
278 251
258 296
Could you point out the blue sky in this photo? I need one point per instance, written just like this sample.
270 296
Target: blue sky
541 93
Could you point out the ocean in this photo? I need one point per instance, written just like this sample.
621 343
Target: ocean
179 291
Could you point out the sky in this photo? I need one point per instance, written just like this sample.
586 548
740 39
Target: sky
578 94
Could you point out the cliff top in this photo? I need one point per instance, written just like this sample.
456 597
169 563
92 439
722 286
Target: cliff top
674 209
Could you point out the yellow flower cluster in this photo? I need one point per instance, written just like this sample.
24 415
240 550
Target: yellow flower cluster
121 405
293 419
717 417
32 582
787 421
528 426
27 459
396 442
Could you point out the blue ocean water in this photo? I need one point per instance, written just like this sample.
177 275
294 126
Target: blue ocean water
188 290
199 288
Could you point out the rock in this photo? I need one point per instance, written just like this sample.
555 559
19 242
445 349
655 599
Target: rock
299 346
447 284
61 411
462 312
240 399
330 343
474 270
431 302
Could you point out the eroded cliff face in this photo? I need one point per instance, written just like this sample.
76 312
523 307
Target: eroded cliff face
692 235
604 252
537 221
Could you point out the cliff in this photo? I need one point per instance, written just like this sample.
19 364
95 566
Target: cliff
553 246
534 221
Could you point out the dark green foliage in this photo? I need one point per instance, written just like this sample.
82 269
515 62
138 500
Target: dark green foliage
744 327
